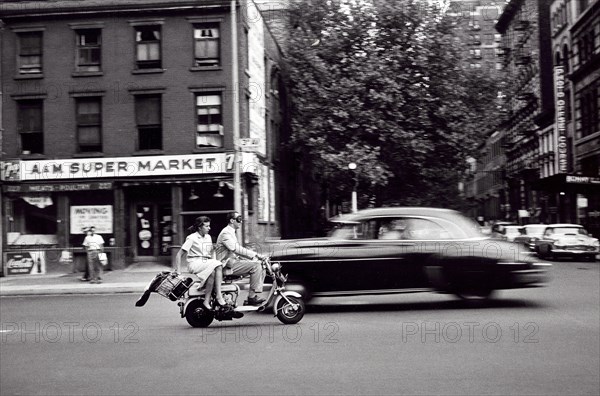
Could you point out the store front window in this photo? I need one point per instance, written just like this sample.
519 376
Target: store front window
91 208
213 199
35 214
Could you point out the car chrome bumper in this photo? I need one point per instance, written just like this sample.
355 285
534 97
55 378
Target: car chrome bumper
574 252
537 274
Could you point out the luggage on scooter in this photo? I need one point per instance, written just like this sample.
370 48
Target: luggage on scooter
174 286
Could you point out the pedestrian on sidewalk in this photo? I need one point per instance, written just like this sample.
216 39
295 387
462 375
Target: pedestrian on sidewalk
94 244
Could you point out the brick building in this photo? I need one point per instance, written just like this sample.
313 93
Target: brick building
132 115
550 133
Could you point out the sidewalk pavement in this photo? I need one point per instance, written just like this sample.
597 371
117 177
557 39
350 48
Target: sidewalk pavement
132 279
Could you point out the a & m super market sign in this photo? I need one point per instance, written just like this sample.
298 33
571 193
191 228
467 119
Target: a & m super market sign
85 168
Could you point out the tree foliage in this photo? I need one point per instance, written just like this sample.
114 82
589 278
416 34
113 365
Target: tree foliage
382 84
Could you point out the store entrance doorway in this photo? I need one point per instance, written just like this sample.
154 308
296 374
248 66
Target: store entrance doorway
153 231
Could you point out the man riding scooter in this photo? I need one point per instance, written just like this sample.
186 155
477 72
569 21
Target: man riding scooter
196 305
228 250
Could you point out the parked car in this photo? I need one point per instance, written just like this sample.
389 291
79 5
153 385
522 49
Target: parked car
498 229
404 250
529 234
567 240
508 232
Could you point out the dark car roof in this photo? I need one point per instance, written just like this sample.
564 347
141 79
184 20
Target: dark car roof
451 216
395 211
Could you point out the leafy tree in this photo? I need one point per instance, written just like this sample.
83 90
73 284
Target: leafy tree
382 84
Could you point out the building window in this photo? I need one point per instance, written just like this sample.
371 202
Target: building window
209 124
88 49
566 58
147 41
89 124
148 117
30 124
589 106
30 52
206 45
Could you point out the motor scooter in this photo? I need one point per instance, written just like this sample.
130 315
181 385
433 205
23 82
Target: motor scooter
288 306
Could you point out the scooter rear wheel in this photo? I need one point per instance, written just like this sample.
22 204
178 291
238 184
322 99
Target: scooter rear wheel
197 316
287 314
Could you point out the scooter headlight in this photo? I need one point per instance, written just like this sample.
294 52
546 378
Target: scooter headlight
276 266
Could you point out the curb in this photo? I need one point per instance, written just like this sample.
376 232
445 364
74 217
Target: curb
102 288
84 288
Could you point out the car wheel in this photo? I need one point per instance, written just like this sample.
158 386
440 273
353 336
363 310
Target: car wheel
475 294
545 252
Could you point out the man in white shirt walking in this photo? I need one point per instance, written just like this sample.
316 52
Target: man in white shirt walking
94 244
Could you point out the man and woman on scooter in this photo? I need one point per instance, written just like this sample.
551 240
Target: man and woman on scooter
208 263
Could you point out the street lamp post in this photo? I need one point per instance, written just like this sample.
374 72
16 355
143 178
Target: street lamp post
352 167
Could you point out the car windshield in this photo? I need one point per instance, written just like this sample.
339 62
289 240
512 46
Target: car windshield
570 230
534 229
409 228
346 231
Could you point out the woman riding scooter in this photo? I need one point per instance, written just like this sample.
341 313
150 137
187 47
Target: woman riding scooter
201 261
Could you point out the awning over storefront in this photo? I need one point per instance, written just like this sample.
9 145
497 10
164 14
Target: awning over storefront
56 187
568 183
208 179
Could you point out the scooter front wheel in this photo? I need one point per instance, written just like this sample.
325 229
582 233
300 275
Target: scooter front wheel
290 313
197 316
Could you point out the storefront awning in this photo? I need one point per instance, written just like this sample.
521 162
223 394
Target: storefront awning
209 179
568 183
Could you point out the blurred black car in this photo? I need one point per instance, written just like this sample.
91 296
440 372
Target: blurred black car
403 250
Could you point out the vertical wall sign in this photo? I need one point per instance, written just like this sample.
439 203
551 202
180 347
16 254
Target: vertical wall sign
561 128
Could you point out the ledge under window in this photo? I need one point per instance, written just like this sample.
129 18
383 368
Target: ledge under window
148 71
87 74
205 68
91 154
148 152
33 156
208 149
32 76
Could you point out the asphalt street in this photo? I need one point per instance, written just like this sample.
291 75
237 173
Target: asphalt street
526 342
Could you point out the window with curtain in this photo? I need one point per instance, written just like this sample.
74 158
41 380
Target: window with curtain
148 118
209 124
30 125
147 40
206 45
88 49
30 52
89 124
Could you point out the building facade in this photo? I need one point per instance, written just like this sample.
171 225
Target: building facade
524 25
551 62
137 117
584 86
